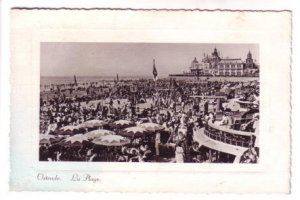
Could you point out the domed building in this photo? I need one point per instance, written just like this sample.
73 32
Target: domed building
214 65
195 68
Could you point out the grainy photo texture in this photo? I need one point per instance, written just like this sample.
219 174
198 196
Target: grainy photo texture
149 102
183 101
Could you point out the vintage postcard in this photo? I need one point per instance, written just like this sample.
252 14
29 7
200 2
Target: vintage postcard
150 100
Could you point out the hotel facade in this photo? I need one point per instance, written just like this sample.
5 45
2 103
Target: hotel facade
214 65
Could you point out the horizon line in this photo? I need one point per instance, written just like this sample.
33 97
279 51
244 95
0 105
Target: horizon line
101 75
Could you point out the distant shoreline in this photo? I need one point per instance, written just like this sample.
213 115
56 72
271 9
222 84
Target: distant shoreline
86 79
72 76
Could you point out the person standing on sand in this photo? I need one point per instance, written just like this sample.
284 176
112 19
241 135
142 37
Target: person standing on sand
157 143
179 153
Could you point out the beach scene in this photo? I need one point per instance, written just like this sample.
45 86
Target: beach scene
149 102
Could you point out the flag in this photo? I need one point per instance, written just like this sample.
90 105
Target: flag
154 71
171 83
175 85
117 78
88 90
58 89
75 80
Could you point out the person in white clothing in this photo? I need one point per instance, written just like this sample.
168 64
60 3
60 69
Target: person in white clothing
179 153
157 142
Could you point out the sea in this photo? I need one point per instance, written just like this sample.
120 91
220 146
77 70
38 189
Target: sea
46 80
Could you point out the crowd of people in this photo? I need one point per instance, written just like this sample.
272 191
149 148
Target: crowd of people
180 108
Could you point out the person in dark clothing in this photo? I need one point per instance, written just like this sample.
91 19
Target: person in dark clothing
189 133
43 153
200 122
105 111
194 151
206 108
196 108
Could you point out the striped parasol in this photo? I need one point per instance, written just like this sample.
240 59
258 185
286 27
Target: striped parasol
98 133
111 140
75 140
152 126
93 123
134 132
48 139
69 128
122 124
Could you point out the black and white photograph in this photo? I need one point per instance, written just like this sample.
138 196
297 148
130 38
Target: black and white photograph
145 101
149 102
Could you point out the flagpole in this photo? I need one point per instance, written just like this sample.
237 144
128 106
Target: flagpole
155 75
154 79
170 91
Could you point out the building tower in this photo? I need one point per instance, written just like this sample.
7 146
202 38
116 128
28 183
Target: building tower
194 66
215 56
249 61
214 60
249 58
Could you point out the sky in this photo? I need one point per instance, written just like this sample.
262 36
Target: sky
130 59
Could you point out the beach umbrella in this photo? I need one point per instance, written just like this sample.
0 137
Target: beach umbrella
245 84
62 132
75 140
93 123
134 132
111 140
225 90
70 128
47 139
152 126
98 133
233 106
122 123
253 83
56 132
79 130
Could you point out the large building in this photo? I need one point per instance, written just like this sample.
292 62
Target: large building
214 65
